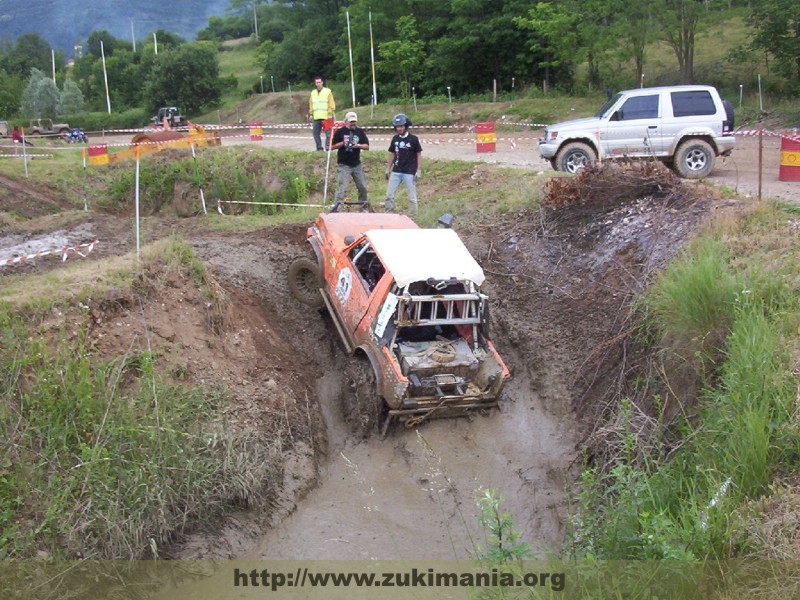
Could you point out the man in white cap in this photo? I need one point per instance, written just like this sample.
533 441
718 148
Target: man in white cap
349 141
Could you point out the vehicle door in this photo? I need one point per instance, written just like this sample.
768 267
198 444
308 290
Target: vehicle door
358 272
634 128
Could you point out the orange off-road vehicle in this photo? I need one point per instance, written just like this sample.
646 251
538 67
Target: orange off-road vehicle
407 303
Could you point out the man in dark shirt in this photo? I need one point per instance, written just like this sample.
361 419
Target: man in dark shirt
349 141
405 165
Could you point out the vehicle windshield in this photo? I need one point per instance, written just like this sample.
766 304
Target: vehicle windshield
607 106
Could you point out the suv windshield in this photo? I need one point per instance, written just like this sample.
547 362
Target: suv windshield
607 106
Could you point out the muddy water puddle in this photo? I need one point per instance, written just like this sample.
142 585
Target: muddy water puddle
413 495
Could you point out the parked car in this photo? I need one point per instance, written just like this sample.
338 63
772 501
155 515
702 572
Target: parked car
407 302
47 127
686 127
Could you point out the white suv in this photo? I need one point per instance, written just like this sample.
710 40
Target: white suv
685 126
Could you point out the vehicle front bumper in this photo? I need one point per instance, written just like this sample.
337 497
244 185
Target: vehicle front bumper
548 149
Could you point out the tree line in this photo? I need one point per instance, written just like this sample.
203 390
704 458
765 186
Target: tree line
421 48
469 45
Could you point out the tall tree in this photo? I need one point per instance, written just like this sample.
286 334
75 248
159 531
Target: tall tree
776 25
403 58
71 100
679 20
187 76
10 94
40 97
633 28
30 51
554 35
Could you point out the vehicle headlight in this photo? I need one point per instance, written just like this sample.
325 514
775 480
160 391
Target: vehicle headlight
551 135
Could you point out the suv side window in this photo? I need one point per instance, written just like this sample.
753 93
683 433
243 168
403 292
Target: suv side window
639 107
367 264
689 104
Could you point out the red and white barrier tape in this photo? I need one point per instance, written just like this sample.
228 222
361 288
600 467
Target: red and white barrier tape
63 251
749 132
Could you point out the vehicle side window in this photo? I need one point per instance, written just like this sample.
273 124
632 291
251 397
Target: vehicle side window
367 264
639 107
689 104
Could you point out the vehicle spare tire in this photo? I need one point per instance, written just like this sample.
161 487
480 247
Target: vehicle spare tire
730 121
305 281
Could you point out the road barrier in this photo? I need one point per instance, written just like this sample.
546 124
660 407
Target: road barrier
486 139
789 169
98 154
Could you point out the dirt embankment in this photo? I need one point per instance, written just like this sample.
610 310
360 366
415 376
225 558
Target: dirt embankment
561 281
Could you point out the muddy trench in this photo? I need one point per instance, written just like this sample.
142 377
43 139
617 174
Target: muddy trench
561 290
561 281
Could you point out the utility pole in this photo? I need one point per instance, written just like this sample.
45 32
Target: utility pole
255 20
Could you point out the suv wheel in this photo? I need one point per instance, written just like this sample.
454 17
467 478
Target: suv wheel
694 159
305 281
573 157
360 403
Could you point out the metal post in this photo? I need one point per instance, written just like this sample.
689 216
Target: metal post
414 94
760 158
449 99
272 81
741 93
760 97
262 83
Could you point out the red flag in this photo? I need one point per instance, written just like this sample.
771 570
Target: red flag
327 124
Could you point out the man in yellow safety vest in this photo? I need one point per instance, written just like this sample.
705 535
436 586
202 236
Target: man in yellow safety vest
320 109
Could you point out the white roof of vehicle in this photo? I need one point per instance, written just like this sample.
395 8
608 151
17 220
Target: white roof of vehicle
419 254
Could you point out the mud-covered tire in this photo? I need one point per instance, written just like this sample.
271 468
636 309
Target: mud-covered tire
362 408
573 157
305 281
694 159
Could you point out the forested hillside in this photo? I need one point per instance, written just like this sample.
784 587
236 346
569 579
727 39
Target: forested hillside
400 50
65 23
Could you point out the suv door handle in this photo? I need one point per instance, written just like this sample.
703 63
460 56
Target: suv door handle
652 126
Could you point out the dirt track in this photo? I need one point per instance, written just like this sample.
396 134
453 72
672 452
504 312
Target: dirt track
739 172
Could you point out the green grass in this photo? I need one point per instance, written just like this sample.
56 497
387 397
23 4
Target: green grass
743 433
240 61
105 458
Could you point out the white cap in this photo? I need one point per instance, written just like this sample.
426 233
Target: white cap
351 116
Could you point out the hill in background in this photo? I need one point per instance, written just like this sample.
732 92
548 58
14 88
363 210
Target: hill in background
65 23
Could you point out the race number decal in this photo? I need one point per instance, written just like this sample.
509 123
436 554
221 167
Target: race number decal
344 283
387 310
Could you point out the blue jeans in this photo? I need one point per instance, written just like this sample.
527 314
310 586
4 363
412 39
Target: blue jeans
317 131
395 179
343 175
